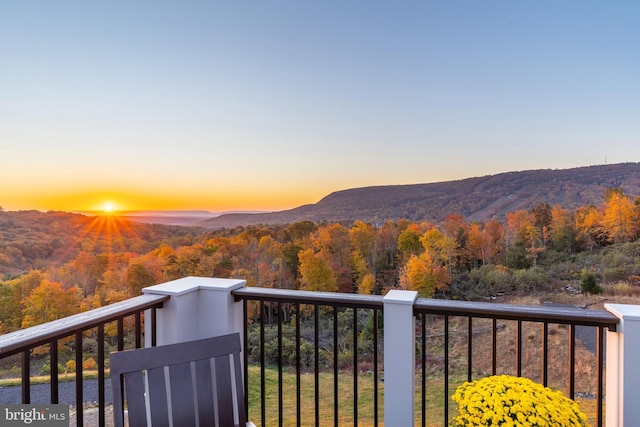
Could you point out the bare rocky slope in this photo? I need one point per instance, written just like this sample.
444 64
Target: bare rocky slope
478 199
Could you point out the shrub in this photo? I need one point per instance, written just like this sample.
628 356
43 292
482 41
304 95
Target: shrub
614 274
531 279
89 365
589 284
491 279
505 400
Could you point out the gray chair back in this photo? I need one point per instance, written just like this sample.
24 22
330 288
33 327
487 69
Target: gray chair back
196 380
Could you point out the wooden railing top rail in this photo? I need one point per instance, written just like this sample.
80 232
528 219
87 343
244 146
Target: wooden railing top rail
555 314
308 297
15 342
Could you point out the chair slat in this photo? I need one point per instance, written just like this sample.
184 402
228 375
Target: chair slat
158 404
182 399
134 385
224 390
204 389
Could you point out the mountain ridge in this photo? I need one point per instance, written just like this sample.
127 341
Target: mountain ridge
477 198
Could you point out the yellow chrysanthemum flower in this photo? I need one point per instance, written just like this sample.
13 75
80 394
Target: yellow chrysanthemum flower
508 401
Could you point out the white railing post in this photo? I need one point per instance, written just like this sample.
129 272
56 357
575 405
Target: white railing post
623 367
399 358
199 307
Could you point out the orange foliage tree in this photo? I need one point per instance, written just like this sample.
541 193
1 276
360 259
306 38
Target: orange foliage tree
620 216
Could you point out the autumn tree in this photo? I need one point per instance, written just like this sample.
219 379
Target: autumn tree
50 301
364 244
493 240
522 239
409 239
10 314
542 217
589 227
425 275
299 230
620 216
386 274
457 230
440 248
315 272
26 283
484 243
272 269
563 231
476 245
332 243
143 272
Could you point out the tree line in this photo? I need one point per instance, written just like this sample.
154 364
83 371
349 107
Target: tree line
526 251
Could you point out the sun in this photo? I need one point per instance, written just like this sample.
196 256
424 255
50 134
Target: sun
108 207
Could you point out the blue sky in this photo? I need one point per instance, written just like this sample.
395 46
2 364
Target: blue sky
225 105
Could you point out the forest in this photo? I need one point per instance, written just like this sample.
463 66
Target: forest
55 264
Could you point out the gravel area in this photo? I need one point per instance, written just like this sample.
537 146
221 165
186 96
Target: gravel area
41 393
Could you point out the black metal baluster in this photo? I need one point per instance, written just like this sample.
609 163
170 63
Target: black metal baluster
424 369
600 371
298 384
375 367
335 366
519 348
120 333
469 348
138 329
572 360
355 367
280 396
446 369
316 342
101 394
154 327
545 353
53 353
79 379
263 387
245 355
26 377
494 346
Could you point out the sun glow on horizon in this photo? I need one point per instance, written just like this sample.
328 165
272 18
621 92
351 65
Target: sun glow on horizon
109 207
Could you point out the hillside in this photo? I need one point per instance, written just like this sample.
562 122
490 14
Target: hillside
478 199
33 239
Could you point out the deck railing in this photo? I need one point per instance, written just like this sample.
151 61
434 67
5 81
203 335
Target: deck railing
319 310
23 342
462 316
298 338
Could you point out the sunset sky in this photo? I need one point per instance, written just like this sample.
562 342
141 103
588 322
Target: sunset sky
268 105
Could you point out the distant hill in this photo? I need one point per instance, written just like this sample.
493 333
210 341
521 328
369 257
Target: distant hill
478 199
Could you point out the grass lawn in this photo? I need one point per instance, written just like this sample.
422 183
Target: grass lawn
435 399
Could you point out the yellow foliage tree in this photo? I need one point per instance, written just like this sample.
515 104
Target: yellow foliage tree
367 285
424 275
50 301
620 217
588 225
315 272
